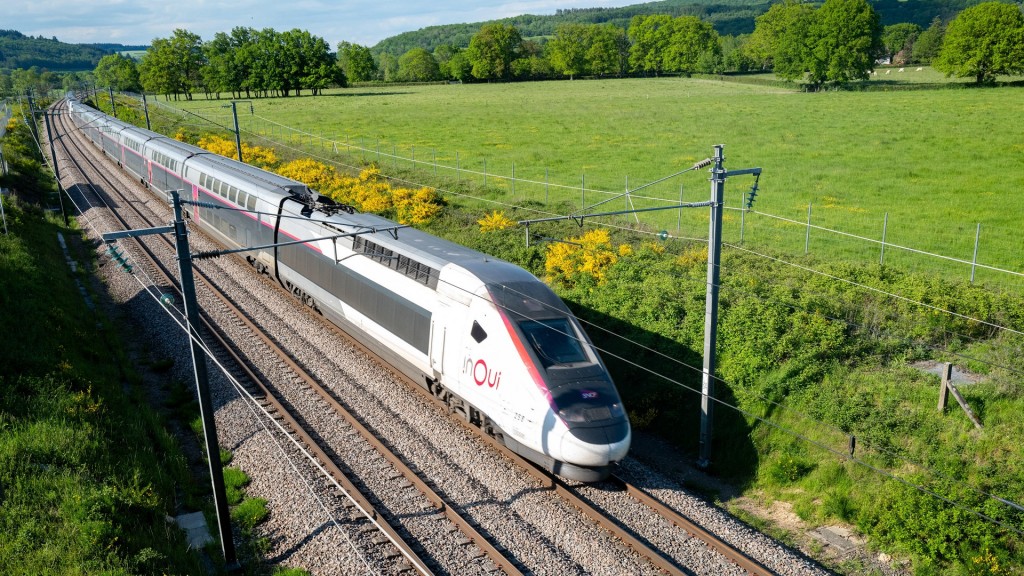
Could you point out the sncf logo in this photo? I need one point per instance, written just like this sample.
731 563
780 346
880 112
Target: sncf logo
588 394
481 373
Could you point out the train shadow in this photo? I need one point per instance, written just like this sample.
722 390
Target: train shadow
660 383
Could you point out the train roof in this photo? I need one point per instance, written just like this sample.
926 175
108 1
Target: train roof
438 252
222 165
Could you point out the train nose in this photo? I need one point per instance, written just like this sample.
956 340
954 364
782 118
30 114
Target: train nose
596 444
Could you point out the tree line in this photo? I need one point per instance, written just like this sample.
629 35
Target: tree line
832 44
837 42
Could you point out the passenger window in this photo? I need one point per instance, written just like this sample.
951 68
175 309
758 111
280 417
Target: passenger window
231 193
250 203
478 332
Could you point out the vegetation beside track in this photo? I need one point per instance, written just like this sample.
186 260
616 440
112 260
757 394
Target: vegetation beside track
89 472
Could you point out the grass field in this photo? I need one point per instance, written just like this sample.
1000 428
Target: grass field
938 162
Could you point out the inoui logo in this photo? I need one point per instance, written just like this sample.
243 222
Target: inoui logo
481 373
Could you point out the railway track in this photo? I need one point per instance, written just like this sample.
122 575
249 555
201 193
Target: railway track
263 392
478 539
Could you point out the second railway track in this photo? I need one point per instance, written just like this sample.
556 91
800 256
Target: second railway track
511 521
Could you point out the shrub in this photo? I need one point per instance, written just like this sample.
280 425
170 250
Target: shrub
583 257
495 221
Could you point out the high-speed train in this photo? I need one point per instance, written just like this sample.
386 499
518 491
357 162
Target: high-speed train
483 335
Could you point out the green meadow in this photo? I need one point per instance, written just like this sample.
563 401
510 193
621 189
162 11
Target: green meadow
936 163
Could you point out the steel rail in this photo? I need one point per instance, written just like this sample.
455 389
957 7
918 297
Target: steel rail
268 395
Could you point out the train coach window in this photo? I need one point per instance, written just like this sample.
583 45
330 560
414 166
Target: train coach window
250 202
478 332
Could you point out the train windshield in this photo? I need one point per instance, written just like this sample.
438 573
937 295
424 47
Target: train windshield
554 341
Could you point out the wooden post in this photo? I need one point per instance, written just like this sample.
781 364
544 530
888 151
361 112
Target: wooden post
963 404
949 387
947 372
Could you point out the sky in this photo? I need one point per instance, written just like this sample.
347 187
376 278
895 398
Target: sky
366 22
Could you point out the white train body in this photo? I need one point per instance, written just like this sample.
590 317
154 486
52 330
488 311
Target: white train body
487 337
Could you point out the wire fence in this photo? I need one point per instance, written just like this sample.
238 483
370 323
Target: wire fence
974 252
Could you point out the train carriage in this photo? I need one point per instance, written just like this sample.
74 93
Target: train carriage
132 141
165 160
481 334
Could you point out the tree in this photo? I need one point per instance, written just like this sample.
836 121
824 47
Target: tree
567 51
650 36
459 66
928 44
244 53
357 62
310 63
693 46
387 67
158 71
845 40
609 50
117 72
444 55
984 41
899 41
418 65
735 56
186 49
493 49
779 39
218 74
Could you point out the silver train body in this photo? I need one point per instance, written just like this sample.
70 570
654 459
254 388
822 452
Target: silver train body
483 335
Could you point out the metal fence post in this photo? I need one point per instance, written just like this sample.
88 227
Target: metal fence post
583 191
679 217
885 228
807 237
974 261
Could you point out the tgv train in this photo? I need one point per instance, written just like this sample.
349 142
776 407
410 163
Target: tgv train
483 335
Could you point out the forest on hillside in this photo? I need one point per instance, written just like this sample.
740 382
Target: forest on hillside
20 51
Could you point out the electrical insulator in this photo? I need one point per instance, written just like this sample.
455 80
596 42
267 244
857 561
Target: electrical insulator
119 258
751 195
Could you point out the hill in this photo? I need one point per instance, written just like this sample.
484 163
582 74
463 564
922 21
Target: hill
729 17
20 51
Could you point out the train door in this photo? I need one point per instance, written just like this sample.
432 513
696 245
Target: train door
438 332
